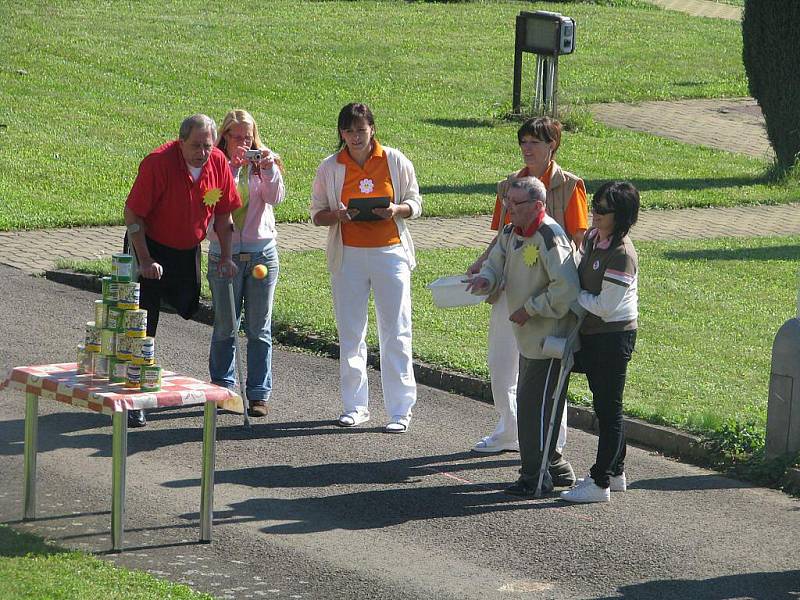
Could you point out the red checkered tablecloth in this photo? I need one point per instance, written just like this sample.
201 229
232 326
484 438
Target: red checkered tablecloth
61 382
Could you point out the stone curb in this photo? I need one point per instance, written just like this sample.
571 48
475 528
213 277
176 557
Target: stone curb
666 440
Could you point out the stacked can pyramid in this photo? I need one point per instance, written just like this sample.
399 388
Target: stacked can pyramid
117 346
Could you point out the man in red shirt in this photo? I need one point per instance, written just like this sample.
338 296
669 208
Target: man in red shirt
180 185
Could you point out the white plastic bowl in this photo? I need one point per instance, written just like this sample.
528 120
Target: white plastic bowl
451 291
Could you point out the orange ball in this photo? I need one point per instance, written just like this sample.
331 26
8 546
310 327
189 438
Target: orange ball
260 271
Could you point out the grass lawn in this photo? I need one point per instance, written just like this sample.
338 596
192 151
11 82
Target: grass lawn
30 568
709 313
87 89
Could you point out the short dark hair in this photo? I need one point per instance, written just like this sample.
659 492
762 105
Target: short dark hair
542 128
348 114
623 198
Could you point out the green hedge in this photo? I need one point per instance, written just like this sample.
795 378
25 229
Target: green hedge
771 56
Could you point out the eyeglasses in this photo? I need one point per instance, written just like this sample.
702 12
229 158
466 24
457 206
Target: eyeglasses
508 203
601 210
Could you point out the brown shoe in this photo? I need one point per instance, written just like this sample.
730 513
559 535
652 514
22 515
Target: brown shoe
258 408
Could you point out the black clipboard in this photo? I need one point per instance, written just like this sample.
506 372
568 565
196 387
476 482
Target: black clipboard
365 206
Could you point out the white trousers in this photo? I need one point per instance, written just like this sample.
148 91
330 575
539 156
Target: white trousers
503 363
386 272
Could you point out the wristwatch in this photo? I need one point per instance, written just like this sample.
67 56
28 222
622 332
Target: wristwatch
134 228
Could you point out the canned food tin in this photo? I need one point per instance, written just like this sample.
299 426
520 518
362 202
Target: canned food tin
128 295
88 362
117 370
100 366
124 346
151 378
110 291
108 340
80 359
114 319
92 340
135 323
100 313
133 376
121 267
143 351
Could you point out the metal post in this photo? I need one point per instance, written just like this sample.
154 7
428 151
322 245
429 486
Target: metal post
518 41
29 460
555 86
207 479
119 457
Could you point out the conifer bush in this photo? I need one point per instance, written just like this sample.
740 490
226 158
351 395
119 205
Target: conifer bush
771 54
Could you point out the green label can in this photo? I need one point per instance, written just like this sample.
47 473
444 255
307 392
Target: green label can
114 316
143 351
117 370
100 366
124 347
92 340
128 295
135 323
108 341
100 313
121 267
133 376
110 291
80 359
151 378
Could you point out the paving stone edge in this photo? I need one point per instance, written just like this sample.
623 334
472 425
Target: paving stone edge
666 440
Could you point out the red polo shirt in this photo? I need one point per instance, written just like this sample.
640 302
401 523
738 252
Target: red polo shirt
175 208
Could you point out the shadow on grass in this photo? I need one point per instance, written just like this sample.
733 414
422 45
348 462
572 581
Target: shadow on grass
485 189
16 544
654 185
462 123
643 185
758 586
785 253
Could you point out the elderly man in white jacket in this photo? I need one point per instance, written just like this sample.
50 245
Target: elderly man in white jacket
533 260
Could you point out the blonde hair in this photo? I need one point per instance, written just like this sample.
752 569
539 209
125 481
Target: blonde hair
238 116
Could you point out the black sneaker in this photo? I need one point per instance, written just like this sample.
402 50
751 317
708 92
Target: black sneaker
527 489
136 418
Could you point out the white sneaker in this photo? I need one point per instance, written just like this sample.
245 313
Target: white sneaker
489 445
352 418
619 483
586 493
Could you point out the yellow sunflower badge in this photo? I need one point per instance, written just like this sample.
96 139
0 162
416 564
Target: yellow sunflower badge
530 255
212 196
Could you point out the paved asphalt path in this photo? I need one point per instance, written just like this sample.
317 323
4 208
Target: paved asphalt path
307 510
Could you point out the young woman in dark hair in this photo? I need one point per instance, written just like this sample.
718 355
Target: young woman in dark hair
375 254
608 272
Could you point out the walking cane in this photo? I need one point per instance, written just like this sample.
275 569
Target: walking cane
562 348
236 323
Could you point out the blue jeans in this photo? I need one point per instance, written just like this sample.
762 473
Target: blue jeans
257 296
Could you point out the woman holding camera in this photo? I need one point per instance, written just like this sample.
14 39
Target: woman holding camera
259 179
369 248
608 270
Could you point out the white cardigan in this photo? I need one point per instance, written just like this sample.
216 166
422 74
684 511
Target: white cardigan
326 194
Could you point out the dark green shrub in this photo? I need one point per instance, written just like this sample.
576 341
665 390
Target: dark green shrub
771 54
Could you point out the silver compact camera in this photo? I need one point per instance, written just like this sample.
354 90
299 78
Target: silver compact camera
254 155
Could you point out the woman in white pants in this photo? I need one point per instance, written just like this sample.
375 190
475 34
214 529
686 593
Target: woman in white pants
364 193
539 140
